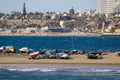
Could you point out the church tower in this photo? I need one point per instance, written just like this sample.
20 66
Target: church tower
24 11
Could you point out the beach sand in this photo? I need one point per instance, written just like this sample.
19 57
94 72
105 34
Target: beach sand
76 60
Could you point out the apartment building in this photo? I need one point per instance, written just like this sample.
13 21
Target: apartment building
108 6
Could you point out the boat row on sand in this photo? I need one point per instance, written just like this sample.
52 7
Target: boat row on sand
53 54
32 54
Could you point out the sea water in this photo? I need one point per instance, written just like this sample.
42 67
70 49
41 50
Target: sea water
59 73
62 42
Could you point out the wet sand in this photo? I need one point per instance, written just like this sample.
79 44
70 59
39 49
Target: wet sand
76 60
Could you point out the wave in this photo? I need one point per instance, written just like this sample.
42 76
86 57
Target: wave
63 69
31 69
105 70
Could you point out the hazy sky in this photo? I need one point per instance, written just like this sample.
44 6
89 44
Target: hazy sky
7 6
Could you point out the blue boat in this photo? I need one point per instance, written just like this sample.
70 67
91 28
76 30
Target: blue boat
48 54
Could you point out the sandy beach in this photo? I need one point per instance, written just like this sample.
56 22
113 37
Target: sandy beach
76 60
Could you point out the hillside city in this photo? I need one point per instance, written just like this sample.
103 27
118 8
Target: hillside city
70 21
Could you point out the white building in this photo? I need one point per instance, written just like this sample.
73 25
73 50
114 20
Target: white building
108 6
90 12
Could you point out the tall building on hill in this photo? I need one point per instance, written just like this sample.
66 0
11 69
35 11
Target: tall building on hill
108 6
24 10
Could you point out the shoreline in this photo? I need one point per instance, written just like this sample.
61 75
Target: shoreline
57 64
50 34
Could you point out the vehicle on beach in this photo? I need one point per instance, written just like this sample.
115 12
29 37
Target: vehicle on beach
94 55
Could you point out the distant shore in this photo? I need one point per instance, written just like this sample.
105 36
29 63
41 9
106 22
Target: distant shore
76 60
49 34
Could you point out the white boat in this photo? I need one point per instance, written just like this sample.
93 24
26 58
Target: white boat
65 56
24 50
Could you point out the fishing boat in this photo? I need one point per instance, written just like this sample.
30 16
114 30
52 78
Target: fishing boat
2 48
65 56
94 55
7 49
24 50
62 55
48 54
118 53
33 55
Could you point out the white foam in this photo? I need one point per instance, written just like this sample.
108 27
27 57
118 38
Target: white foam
66 69
31 69
48 70
24 70
102 70
105 70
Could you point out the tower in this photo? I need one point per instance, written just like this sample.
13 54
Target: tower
72 11
24 11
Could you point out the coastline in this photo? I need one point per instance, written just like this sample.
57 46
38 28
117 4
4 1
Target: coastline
61 34
76 60
49 34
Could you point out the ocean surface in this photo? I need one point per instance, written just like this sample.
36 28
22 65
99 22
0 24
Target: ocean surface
62 42
59 73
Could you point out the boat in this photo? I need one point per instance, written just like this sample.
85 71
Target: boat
7 49
42 51
65 56
74 52
33 55
118 53
94 55
55 54
48 54
2 48
62 55
58 55
24 50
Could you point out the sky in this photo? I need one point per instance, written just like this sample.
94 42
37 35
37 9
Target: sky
6 6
